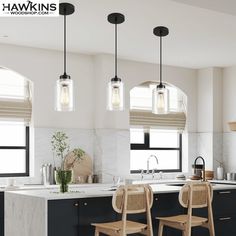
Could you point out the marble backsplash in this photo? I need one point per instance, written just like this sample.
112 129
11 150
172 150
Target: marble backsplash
109 149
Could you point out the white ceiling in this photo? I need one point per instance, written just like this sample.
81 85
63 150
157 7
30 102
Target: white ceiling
202 32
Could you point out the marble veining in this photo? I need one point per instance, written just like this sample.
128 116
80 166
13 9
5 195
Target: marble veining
25 216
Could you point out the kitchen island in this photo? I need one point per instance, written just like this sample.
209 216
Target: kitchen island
48 213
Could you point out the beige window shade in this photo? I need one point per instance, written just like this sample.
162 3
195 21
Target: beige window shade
16 110
146 119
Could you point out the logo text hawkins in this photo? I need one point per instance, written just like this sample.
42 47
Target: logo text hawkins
29 8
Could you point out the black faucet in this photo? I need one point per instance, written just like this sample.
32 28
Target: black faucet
203 168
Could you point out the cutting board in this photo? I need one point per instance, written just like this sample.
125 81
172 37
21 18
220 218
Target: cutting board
81 168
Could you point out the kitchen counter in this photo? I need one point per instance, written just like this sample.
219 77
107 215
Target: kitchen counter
29 209
97 190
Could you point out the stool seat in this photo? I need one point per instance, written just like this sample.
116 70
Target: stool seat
131 226
183 219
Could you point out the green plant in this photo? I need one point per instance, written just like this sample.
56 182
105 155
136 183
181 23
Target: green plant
60 146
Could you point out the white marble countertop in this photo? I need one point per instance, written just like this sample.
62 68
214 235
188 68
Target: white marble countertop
97 190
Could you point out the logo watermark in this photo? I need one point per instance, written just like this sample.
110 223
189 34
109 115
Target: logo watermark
38 8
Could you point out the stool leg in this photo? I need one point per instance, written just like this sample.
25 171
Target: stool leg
211 230
160 228
188 231
96 232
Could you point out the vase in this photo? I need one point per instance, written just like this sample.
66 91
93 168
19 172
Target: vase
63 177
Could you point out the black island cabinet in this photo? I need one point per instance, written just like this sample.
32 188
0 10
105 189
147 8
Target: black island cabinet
74 216
2 213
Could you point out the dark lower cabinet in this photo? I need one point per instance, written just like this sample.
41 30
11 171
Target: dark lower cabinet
2 214
94 210
166 205
74 216
63 217
224 210
225 225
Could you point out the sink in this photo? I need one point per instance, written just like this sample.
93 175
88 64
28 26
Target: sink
110 189
176 184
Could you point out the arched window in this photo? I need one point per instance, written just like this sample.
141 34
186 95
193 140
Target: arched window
15 118
156 135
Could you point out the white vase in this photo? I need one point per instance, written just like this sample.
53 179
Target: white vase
220 173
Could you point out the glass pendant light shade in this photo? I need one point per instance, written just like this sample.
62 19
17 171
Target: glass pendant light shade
115 95
160 100
64 94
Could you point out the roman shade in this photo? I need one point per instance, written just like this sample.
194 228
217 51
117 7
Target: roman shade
16 110
15 99
146 119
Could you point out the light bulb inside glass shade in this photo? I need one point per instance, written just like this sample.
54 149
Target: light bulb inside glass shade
160 100
64 95
115 96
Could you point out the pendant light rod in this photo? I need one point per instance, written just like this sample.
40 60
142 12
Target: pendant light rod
161 31
161 60
65 44
116 18
65 9
116 50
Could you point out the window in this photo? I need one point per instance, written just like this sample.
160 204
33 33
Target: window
141 97
165 145
15 116
158 135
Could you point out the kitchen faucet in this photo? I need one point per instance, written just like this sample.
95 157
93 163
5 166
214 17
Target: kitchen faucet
148 171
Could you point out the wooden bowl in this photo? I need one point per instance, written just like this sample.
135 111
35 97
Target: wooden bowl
195 177
209 174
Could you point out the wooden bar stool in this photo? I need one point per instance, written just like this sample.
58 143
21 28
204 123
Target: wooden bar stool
192 195
129 199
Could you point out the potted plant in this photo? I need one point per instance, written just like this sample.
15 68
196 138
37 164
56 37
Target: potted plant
60 146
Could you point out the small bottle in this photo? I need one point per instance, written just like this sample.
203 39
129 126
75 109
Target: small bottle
90 179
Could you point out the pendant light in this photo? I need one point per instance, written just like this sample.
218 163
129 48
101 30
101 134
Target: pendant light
115 90
160 95
64 85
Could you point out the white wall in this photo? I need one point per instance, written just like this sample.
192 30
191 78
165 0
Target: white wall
209 141
229 114
229 88
44 67
103 134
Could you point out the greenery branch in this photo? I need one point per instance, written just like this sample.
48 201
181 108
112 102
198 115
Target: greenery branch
60 146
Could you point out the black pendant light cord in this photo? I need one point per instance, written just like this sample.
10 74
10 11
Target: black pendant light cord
115 50
160 60
65 44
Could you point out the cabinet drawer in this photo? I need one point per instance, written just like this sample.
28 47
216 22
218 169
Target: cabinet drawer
166 205
225 225
94 210
224 202
63 217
